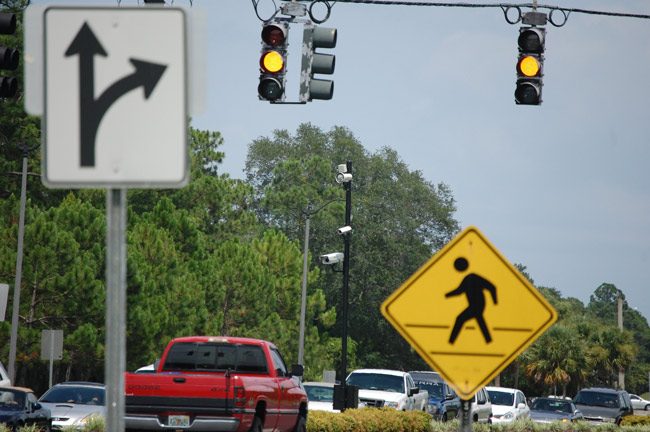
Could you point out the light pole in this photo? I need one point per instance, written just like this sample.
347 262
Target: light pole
19 271
346 179
345 396
308 213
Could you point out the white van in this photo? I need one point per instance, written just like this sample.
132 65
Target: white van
4 377
481 407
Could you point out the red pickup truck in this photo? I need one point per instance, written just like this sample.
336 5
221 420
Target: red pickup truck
210 383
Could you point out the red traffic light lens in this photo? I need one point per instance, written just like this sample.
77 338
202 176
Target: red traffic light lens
531 40
274 35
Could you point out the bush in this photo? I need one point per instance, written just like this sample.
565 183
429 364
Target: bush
636 420
369 420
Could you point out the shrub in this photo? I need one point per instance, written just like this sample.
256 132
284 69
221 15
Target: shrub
369 420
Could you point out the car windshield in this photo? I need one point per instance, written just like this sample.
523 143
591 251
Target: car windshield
551 405
601 399
434 389
74 395
319 393
12 400
375 381
501 398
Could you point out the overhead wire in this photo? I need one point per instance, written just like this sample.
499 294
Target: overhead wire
492 5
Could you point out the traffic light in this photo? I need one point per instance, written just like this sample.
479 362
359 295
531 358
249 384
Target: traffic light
530 64
273 61
8 57
317 63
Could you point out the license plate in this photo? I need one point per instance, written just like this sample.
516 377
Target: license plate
178 421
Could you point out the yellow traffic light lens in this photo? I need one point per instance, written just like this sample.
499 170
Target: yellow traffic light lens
529 66
272 62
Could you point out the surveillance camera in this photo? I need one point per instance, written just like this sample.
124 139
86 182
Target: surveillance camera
342 168
332 258
344 230
343 177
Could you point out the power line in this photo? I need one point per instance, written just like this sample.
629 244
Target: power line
493 5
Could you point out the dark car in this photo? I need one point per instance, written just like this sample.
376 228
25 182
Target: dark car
19 407
443 403
548 410
603 405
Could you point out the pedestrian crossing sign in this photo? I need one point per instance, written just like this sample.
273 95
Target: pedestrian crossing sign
468 312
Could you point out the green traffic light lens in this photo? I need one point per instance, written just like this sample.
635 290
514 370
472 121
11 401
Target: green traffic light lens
272 62
270 89
528 66
527 93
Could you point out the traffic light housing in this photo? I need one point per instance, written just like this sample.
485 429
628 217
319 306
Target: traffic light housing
530 65
8 57
317 63
273 61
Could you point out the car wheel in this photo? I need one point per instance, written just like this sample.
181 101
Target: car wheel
257 425
647 407
444 417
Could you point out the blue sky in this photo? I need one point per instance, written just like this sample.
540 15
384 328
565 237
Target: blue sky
562 188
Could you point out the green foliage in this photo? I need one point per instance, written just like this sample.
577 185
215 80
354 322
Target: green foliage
399 220
636 420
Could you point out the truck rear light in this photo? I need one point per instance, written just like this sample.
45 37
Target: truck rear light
239 396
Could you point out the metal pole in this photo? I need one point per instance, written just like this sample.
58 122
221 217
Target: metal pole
466 417
115 360
19 272
51 355
621 371
346 281
303 302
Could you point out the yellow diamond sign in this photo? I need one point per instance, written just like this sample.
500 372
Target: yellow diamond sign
468 312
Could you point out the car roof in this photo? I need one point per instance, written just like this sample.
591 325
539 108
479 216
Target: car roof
79 383
602 390
380 371
502 389
22 389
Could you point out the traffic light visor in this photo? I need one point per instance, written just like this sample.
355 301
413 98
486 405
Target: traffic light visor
529 66
272 62
274 35
7 23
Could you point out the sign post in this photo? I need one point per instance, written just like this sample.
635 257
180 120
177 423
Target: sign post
51 347
115 116
486 313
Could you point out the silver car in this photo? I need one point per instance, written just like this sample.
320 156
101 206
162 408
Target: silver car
73 403
638 403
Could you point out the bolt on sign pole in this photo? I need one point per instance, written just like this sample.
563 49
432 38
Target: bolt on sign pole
115 359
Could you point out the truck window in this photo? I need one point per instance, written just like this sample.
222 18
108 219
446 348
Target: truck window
215 357
278 363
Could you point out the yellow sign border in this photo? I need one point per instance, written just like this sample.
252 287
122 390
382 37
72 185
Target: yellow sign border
425 267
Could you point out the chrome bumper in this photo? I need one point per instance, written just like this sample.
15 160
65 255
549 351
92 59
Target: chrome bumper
203 424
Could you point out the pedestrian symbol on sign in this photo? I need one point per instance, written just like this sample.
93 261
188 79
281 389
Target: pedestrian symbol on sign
472 286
